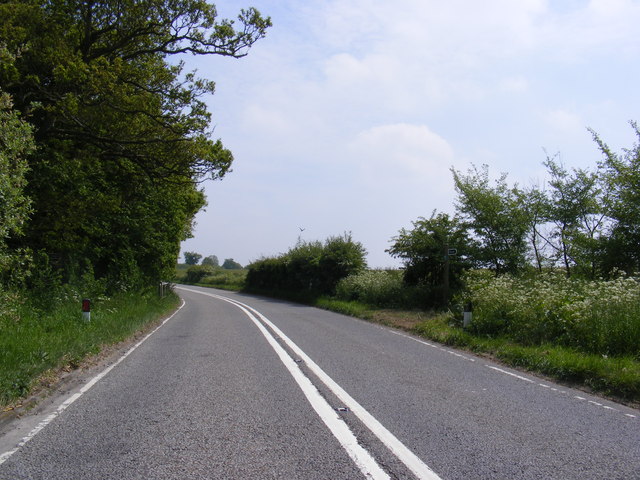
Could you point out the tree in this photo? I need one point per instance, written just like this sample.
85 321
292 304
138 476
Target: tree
424 251
622 176
122 130
577 209
192 258
536 206
231 264
211 260
16 142
495 217
341 256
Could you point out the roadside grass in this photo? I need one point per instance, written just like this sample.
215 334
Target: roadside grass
585 334
615 377
35 342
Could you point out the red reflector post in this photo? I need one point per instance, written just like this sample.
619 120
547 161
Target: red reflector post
86 309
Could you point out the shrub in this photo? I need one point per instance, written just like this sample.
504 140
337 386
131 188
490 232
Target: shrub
196 273
375 287
311 267
594 316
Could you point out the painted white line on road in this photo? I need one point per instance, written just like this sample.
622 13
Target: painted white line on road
548 387
340 430
520 377
406 456
464 357
67 403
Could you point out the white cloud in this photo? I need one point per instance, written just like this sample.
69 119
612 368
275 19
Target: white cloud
410 152
565 122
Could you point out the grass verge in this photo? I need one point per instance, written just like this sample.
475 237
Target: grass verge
34 343
615 377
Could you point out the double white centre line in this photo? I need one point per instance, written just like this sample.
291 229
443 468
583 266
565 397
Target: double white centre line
362 458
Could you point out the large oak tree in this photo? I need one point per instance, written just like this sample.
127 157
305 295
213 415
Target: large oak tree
122 130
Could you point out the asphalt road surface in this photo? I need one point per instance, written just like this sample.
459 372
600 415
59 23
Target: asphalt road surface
241 387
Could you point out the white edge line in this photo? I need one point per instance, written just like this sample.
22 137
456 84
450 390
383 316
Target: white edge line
411 460
464 357
577 397
85 388
509 373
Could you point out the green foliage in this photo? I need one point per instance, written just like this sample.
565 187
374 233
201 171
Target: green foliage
622 246
211 260
352 308
122 130
226 279
33 340
427 263
309 266
196 273
594 316
619 376
16 142
496 218
576 207
231 264
192 258
381 288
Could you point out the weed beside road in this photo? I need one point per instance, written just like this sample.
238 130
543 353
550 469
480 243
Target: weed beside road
36 340
616 377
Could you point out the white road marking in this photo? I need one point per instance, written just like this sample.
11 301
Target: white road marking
577 397
69 401
411 460
464 357
361 457
520 377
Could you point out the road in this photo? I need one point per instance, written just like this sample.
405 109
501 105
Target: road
241 387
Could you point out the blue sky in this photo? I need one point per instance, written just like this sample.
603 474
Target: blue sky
350 114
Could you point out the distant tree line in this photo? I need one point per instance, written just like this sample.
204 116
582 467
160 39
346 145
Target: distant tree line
104 137
193 258
585 222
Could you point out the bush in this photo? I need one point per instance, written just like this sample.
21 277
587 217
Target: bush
196 273
311 267
596 316
381 288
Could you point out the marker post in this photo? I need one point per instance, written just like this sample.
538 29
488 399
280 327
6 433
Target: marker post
86 309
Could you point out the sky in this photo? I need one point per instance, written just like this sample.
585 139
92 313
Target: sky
350 114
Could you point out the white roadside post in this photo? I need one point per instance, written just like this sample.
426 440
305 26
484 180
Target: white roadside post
86 309
466 314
